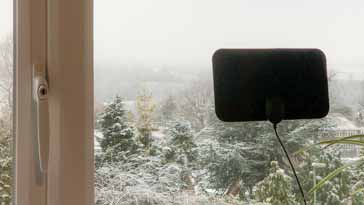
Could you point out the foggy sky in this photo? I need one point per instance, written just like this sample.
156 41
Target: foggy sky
186 32
6 17
161 33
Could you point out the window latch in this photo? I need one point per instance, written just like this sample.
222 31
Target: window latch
40 96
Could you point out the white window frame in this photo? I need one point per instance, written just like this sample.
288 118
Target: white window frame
57 33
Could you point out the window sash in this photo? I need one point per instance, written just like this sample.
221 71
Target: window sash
58 32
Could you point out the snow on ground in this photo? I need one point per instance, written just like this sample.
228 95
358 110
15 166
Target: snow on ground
158 135
349 160
343 123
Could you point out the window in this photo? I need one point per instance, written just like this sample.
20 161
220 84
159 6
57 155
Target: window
6 102
157 140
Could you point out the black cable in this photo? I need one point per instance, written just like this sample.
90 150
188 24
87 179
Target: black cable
289 160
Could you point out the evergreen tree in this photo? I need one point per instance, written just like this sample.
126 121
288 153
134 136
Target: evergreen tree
338 188
182 150
182 143
228 172
118 139
168 109
257 146
276 188
145 109
241 156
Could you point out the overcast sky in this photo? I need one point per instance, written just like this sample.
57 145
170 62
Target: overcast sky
6 17
186 32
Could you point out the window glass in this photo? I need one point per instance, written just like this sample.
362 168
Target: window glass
6 101
157 139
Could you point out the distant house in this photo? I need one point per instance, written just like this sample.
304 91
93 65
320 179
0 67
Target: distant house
344 128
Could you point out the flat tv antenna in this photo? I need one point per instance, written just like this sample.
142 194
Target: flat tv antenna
270 84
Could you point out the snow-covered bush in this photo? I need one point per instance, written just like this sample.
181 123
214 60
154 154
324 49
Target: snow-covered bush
276 188
336 190
5 164
138 180
182 144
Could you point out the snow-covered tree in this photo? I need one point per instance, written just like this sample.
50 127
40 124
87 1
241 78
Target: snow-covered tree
6 74
118 138
228 171
196 103
5 164
357 187
276 188
130 118
241 156
334 191
168 109
337 189
182 150
6 94
145 112
182 143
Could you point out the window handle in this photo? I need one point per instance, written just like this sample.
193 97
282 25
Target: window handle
40 96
